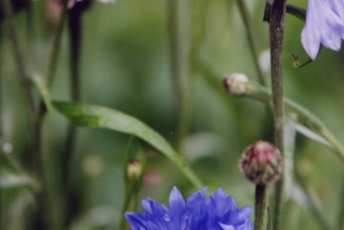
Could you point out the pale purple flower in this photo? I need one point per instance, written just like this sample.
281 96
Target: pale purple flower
324 26
219 212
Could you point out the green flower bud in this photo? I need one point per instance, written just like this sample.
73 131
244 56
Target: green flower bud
261 163
134 169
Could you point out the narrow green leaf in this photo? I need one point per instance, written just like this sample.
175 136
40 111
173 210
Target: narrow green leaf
100 117
307 132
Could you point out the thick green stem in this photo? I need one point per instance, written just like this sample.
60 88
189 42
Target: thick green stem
277 18
261 204
249 30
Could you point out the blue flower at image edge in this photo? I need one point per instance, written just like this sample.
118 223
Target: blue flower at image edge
219 212
324 25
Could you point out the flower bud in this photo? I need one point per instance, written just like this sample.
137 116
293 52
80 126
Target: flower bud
261 163
235 83
134 169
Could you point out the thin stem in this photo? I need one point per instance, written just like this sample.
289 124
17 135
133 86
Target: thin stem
42 217
50 188
246 19
263 94
30 33
1 129
250 36
75 29
132 185
277 18
313 203
261 205
56 45
19 57
75 32
332 140
47 198
175 48
183 77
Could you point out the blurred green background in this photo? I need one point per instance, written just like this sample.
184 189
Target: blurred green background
126 65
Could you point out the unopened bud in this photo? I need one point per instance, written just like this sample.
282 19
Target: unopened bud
134 169
235 83
261 163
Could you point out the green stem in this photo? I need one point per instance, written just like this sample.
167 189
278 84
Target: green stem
332 140
277 18
42 219
260 93
179 76
185 80
20 62
250 36
2 210
246 19
313 203
75 31
132 186
56 45
30 33
261 204
50 188
174 48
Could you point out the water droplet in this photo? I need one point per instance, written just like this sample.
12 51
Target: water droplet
166 217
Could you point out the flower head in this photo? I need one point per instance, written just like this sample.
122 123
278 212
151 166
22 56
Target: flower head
219 212
324 26
261 163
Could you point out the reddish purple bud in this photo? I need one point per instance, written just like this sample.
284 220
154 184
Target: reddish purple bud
261 163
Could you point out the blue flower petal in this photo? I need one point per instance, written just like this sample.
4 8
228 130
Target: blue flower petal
244 213
227 227
176 205
197 212
324 25
219 212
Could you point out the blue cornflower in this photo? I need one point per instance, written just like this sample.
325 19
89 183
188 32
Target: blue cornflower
324 25
219 212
